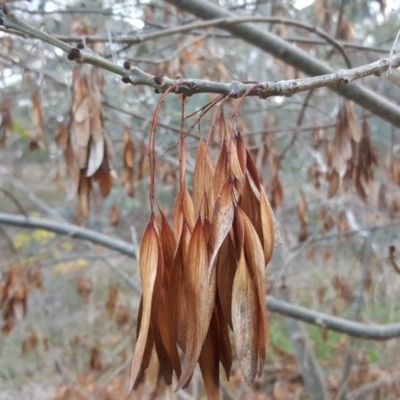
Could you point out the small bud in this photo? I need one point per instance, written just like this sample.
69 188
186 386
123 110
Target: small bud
156 91
80 46
158 79
6 10
126 79
127 65
74 54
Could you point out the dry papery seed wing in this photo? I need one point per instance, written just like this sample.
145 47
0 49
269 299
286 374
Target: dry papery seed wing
36 133
161 326
142 160
115 214
222 218
148 264
226 269
88 148
128 171
203 177
80 117
209 360
245 319
183 211
221 169
199 280
5 121
269 233
253 253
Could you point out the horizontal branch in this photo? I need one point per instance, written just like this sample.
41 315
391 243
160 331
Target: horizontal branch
356 329
73 231
189 87
351 328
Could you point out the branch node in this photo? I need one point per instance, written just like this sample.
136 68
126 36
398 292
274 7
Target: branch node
158 79
126 79
6 10
75 54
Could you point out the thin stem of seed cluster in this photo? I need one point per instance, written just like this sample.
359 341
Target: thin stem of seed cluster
204 111
182 156
239 105
152 144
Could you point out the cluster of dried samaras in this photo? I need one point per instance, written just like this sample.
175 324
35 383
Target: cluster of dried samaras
206 274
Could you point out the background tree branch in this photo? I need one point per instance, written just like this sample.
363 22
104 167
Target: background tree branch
293 56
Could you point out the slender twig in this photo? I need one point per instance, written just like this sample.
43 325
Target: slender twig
140 38
340 18
392 52
298 124
14 200
342 234
370 387
204 34
193 86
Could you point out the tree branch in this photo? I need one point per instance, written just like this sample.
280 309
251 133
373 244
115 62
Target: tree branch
352 328
299 59
70 230
356 329
136 76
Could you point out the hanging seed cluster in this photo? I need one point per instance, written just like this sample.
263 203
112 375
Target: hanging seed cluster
204 275
88 149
